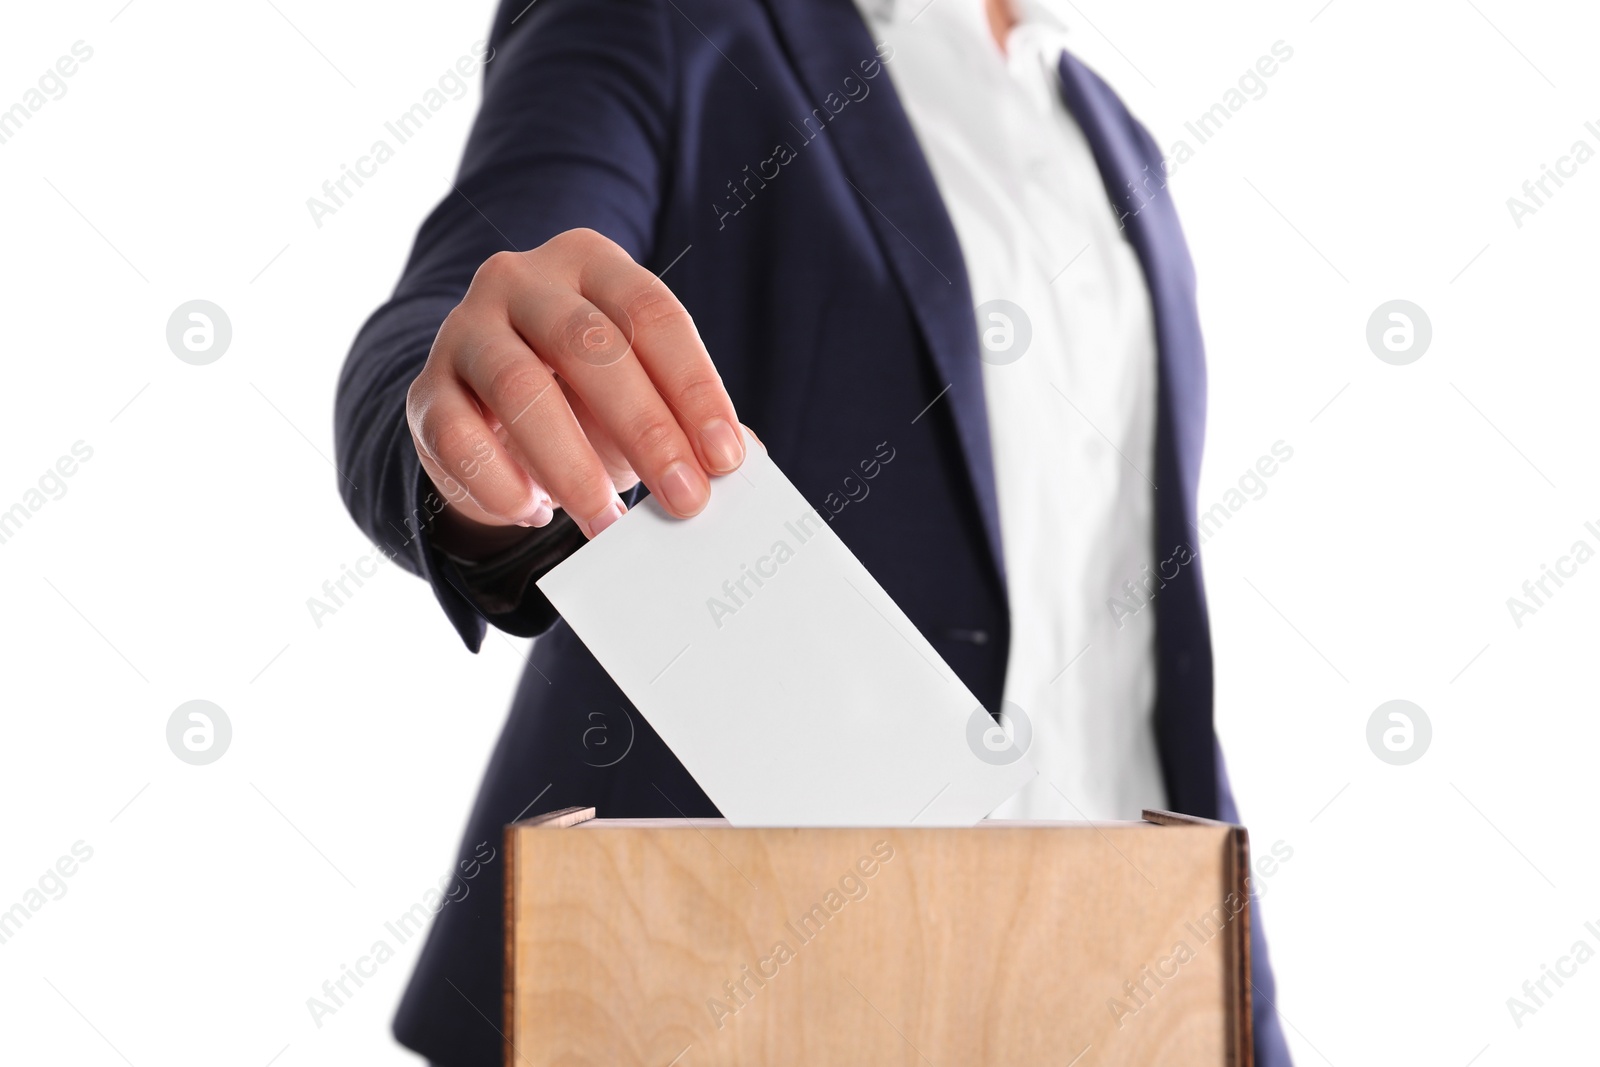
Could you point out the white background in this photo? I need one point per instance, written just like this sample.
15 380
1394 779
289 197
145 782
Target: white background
1377 566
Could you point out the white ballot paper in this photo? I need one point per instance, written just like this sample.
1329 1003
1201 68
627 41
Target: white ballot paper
777 670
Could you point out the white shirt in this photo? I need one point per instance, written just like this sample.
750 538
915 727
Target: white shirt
1070 386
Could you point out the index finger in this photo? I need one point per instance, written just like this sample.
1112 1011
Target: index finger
663 338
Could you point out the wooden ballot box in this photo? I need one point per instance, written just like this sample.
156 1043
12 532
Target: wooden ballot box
687 943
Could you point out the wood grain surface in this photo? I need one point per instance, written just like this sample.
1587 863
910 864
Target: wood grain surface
690 943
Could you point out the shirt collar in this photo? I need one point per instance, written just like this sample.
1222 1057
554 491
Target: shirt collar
890 12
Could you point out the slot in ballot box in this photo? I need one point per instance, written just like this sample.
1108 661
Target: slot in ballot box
688 942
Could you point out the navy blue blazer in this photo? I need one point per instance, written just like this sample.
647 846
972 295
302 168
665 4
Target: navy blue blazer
758 150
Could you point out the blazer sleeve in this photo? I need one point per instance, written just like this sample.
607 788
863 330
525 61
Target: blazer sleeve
572 133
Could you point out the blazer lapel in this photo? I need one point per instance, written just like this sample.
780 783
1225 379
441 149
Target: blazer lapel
1140 197
1129 169
884 164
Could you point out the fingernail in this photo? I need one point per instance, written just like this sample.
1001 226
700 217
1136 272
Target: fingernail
723 447
613 511
540 516
683 489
